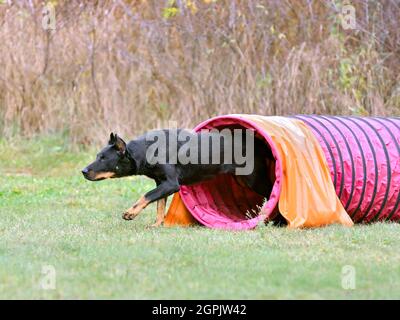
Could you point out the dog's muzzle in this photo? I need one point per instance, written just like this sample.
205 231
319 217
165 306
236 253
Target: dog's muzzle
85 173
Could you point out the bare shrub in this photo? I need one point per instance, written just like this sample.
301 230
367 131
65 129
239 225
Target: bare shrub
130 66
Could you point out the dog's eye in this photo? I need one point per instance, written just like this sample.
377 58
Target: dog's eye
102 157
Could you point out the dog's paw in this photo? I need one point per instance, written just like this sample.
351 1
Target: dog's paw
155 225
128 216
132 212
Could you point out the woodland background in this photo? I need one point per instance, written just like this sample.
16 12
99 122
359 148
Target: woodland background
130 66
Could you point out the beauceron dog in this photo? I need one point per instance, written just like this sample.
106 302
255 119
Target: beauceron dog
119 159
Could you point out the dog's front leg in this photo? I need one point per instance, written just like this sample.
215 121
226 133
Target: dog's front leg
165 189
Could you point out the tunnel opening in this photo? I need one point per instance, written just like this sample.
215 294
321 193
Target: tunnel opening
226 202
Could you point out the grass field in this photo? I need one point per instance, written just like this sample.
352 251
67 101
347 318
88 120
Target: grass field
51 216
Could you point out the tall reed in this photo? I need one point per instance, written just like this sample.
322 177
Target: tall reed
130 66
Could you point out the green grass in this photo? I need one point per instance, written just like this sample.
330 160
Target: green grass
51 216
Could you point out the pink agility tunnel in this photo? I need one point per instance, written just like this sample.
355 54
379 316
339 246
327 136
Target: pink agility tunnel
363 156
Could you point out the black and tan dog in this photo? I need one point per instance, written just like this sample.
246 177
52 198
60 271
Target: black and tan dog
119 159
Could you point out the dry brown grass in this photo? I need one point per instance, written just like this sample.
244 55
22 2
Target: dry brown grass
121 65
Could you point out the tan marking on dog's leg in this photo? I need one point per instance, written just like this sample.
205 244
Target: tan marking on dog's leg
160 212
132 212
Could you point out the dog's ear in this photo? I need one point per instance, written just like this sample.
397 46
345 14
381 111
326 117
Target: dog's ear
112 140
119 144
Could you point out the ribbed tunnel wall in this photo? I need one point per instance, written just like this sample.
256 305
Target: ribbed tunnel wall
363 155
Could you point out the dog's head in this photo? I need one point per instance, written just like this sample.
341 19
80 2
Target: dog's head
111 162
